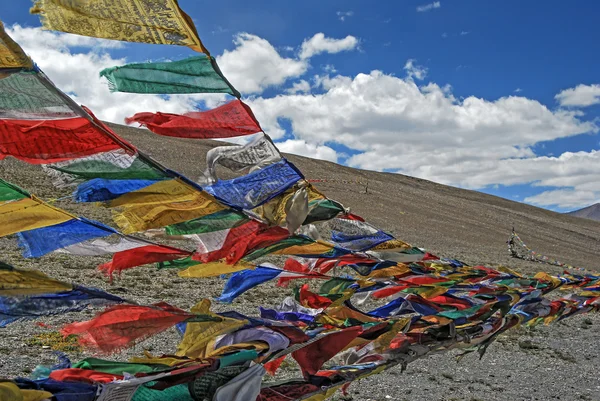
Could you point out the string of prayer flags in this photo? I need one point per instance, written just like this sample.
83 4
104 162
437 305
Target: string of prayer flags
258 153
256 188
192 75
13 309
120 326
145 21
11 54
229 120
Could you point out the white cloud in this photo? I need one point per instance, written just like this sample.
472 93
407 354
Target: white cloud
428 7
342 15
393 124
302 148
564 198
300 86
321 44
518 90
464 33
255 65
580 96
444 35
415 71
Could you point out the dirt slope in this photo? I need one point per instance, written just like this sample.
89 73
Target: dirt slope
555 362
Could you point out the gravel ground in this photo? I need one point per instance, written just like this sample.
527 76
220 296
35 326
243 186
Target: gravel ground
552 362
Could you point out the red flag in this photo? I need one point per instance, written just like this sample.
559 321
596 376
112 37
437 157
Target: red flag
83 376
312 300
313 356
120 326
140 256
49 141
232 119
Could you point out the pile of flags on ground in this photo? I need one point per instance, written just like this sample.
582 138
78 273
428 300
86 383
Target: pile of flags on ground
381 301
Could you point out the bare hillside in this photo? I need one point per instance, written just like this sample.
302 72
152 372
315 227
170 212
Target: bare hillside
554 362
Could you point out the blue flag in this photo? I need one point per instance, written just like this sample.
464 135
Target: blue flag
244 280
17 308
256 188
38 242
101 190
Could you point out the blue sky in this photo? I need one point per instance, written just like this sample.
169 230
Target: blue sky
483 76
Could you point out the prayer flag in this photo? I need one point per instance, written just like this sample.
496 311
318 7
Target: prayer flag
192 75
48 141
145 21
29 95
11 54
258 187
120 326
141 256
230 120
258 153
15 282
44 240
162 204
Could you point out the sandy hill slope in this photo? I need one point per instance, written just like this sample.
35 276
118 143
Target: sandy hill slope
554 362
591 212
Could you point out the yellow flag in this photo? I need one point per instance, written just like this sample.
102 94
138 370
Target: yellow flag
11 54
200 335
28 214
14 282
214 269
316 248
145 21
393 245
389 271
162 204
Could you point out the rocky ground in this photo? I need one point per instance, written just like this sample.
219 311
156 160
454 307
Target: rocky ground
555 362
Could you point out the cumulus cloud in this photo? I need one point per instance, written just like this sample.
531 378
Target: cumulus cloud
580 96
393 124
302 148
321 44
428 7
255 65
415 71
